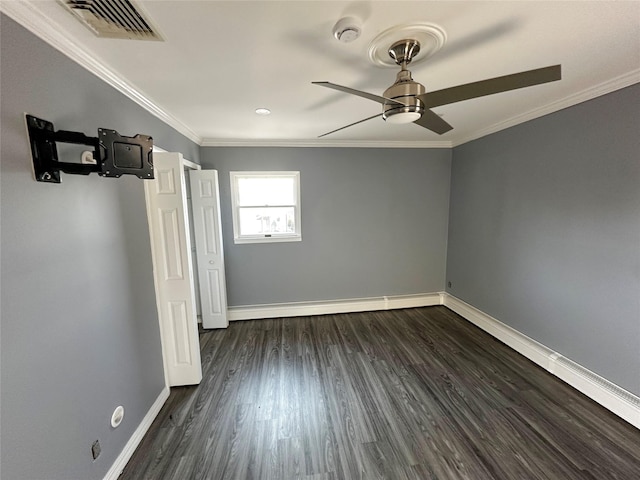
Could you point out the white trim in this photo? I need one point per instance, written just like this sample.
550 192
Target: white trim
534 351
213 142
238 238
190 165
297 309
187 163
117 467
44 28
614 398
609 86
266 238
33 20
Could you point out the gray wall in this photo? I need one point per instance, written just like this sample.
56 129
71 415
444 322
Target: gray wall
80 332
544 232
374 222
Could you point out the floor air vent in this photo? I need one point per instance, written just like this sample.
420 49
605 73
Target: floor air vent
113 19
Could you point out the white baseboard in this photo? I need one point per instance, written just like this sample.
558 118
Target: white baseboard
117 467
614 398
298 309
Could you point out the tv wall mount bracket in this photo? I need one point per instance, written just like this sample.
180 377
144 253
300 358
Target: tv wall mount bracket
114 154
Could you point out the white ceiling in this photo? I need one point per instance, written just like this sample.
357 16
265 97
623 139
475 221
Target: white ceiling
222 60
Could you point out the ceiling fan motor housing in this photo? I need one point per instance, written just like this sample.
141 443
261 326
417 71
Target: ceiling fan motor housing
405 91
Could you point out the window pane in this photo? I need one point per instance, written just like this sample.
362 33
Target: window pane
265 220
259 191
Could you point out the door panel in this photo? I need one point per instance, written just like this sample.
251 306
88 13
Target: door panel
205 202
180 332
173 273
213 287
170 236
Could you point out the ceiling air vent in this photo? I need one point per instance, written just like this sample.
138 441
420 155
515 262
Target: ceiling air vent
113 18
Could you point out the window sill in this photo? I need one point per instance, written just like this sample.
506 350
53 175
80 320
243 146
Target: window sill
263 239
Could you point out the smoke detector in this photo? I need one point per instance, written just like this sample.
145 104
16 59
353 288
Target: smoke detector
347 29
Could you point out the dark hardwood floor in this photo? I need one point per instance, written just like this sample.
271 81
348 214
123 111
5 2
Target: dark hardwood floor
403 394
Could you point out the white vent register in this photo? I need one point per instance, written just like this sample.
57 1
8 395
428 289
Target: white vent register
113 18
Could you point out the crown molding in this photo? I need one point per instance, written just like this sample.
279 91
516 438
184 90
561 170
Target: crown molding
33 20
212 142
23 12
626 80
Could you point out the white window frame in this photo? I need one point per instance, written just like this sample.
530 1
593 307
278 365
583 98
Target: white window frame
235 208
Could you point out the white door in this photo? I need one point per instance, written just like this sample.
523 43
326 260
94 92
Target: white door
205 204
173 271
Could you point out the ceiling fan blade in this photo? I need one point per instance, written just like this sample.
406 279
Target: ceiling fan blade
491 86
359 93
432 121
350 125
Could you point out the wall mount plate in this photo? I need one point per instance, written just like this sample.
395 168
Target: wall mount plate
114 154
44 153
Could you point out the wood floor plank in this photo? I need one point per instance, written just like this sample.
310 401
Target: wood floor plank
399 395
318 442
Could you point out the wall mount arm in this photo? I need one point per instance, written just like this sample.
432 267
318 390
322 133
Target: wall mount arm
114 154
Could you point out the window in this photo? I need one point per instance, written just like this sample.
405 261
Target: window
266 206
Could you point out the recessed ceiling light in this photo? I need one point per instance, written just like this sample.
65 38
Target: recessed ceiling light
263 111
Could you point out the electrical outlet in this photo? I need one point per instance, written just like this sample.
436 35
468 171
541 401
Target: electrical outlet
449 284
95 449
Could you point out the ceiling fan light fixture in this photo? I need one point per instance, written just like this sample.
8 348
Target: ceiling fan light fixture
405 91
402 115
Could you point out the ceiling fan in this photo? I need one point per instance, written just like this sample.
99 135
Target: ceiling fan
407 101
